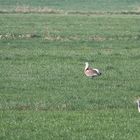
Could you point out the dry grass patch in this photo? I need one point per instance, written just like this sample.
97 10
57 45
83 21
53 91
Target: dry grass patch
18 36
97 38
28 9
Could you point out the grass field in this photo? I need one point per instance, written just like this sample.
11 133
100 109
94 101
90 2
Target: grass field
72 5
44 93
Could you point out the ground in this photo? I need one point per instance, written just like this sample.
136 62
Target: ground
44 93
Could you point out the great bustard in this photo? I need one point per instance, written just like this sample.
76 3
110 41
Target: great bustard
91 72
138 103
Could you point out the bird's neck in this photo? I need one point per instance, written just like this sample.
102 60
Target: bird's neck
86 67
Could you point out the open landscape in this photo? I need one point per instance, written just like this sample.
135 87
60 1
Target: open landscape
44 93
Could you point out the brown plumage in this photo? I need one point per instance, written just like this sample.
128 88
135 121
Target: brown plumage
91 72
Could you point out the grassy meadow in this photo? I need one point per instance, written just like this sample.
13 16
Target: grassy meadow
44 93
98 6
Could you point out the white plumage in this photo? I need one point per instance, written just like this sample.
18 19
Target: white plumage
138 103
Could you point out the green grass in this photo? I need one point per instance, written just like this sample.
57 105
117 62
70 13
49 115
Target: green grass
44 93
99 125
76 5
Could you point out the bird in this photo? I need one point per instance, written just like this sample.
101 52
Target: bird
91 72
138 103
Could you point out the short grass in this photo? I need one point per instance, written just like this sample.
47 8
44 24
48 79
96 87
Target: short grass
44 93
99 124
76 5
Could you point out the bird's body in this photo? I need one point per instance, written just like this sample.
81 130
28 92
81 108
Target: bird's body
91 72
138 102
